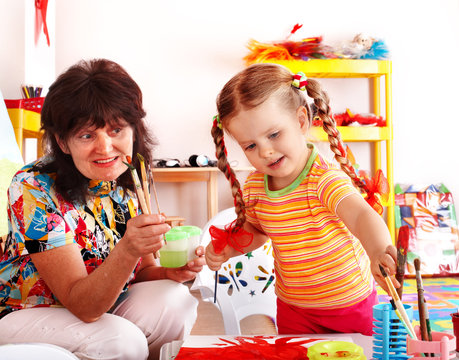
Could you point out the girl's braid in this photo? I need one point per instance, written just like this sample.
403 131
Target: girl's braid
321 102
224 166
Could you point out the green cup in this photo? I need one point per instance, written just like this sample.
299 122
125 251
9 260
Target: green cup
175 252
194 238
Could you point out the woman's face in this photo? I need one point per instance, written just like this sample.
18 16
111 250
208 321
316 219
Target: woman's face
99 153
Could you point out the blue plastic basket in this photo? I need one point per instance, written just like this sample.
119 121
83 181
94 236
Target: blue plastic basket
389 335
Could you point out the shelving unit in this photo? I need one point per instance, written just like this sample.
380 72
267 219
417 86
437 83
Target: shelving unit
374 71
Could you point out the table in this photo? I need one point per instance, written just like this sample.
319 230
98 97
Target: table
170 350
190 174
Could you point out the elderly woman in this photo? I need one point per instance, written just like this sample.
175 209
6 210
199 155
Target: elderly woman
78 269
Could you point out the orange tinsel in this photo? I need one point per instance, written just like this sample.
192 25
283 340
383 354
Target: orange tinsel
262 52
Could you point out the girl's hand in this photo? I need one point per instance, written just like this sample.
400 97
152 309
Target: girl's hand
214 261
188 271
144 235
388 260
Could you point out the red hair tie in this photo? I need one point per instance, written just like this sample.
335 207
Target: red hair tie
237 238
300 81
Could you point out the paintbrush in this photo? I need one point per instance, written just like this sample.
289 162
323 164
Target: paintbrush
402 249
139 190
398 303
215 286
400 318
421 300
424 323
143 173
138 186
152 182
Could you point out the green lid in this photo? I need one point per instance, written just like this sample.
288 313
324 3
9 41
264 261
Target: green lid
189 229
175 235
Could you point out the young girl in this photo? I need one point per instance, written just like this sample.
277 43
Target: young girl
327 240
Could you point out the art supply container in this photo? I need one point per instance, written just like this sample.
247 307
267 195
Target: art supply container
175 252
389 334
194 239
455 319
442 346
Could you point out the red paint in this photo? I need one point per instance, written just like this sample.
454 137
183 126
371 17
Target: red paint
248 348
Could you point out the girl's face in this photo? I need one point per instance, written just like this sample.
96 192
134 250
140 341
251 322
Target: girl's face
99 153
273 140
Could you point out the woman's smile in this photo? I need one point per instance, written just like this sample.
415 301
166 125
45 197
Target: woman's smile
106 162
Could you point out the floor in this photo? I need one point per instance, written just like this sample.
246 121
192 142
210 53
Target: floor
209 321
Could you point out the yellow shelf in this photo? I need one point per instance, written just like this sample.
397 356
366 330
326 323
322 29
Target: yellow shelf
338 68
352 134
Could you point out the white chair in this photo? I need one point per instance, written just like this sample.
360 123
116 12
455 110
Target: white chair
246 282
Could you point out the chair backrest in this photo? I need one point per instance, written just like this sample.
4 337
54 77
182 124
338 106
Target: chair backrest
245 282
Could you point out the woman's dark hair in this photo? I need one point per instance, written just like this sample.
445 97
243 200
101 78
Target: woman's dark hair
96 93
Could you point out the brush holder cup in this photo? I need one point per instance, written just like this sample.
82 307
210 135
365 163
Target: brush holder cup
442 346
175 252
194 238
389 334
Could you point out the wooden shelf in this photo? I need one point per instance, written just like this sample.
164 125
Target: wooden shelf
191 174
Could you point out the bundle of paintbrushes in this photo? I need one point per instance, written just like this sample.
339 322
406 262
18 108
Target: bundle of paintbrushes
398 305
142 190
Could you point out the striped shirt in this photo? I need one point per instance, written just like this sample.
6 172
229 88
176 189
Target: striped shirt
318 262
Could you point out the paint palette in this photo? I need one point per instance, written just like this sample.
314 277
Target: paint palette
335 350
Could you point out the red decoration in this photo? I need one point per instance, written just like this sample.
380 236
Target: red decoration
41 6
248 348
350 119
295 29
376 187
237 238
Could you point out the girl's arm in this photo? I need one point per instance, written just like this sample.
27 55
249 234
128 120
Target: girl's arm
214 261
367 226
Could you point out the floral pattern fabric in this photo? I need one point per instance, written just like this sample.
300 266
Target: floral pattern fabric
39 219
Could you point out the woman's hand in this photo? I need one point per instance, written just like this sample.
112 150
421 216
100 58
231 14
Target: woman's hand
387 260
144 235
188 271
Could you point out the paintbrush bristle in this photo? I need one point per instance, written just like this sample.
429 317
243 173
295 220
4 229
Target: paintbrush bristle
128 158
129 165
140 157
403 237
383 272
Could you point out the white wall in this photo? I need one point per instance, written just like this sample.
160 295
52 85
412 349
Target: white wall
182 52
12 51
